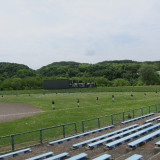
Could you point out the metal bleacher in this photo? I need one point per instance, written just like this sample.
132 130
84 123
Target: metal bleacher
152 119
127 138
104 136
15 153
91 145
135 157
41 156
82 134
103 157
59 156
144 139
77 157
137 118
157 143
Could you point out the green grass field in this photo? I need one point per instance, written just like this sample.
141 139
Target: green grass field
67 111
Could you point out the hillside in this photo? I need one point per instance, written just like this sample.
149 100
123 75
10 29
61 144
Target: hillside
8 70
111 70
106 73
60 69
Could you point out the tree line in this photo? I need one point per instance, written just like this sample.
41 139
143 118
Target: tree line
108 73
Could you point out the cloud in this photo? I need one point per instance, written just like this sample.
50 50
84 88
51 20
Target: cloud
83 31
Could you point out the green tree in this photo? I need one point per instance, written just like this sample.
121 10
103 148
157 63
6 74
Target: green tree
102 81
120 82
22 73
16 83
148 75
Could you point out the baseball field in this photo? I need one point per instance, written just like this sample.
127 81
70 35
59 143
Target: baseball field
26 112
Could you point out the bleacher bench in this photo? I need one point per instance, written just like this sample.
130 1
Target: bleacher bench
15 153
77 157
59 156
137 118
144 139
91 145
147 115
82 134
41 156
134 135
152 119
103 136
157 143
135 157
103 157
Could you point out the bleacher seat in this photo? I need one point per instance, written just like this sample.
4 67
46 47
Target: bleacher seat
91 145
77 157
135 157
152 119
78 135
127 138
137 118
15 153
157 143
59 156
103 136
103 157
41 156
144 139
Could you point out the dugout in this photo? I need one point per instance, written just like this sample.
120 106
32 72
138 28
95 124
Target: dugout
57 84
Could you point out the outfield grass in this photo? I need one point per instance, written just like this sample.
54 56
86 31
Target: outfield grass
67 111
96 89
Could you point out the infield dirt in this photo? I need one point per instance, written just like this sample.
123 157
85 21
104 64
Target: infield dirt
12 111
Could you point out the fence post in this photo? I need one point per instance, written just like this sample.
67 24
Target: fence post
133 113
98 123
149 109
41 136
63 131
112 119
156 107
83 126
142 111
123 116
75 127
12 137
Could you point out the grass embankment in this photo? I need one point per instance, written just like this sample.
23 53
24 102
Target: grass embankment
67 111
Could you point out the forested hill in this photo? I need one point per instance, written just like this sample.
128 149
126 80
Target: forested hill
106 73
109 69
64 69
8 70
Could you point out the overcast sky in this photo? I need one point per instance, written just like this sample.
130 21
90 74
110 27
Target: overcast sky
39 32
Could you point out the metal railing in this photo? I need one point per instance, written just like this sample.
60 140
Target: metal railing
22 140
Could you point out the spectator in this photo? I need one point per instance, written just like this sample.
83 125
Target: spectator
53 105
112 98
78 103
129 116
131 95
97 100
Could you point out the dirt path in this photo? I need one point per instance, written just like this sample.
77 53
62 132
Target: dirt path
12 111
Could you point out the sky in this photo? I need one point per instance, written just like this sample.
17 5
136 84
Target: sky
39 32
